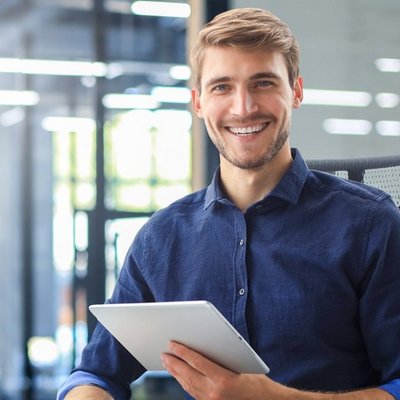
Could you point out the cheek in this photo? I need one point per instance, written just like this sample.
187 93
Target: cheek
212 113
211 125
283 105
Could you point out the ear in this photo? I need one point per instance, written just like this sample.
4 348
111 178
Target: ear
196 102
298 92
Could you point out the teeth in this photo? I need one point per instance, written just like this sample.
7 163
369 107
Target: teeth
247 130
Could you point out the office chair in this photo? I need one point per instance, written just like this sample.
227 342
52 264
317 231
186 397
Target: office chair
381 172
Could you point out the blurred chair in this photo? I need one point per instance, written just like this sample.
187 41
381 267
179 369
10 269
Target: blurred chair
381 172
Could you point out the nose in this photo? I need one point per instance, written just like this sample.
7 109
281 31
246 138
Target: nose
243 103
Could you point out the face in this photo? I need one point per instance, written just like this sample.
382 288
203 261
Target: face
246 102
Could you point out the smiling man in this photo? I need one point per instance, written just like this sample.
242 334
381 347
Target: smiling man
304 264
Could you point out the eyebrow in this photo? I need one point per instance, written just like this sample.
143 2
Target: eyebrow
258 75
263 75
214 81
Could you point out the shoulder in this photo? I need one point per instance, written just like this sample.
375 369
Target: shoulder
326 184
181 210
188 204
351 205
349 200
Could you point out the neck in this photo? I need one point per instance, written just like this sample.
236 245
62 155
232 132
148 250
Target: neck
246 187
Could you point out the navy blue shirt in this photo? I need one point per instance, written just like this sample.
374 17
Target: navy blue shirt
310 276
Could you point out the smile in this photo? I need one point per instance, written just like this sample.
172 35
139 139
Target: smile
247 130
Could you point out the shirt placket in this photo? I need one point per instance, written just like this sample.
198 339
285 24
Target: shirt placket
240 276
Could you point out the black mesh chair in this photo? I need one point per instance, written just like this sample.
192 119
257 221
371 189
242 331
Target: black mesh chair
381 172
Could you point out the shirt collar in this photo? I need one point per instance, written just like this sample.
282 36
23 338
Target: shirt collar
214 192
289 188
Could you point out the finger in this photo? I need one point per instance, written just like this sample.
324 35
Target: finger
191 380
197 361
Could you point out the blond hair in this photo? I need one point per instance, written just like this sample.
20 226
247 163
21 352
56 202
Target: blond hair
250 29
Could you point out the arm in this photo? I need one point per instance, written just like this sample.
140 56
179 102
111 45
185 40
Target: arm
88 392
205 380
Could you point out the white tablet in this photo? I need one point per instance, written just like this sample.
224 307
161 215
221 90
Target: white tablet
145 329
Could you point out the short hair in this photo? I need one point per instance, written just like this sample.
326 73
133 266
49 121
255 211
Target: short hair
250 29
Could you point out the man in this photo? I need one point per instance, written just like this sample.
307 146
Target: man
305 265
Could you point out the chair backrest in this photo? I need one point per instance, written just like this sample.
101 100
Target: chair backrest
381 172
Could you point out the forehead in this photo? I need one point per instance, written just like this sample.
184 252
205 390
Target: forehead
236 63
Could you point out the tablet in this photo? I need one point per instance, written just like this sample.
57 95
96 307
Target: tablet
145 329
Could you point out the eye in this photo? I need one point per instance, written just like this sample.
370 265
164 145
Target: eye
264 83
220 88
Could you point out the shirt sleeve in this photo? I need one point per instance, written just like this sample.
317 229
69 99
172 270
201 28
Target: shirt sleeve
392 387
380 295
80 378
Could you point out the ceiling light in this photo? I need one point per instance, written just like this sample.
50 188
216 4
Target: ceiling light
52 67
130 101
388 128
68 124
387 100
347 126
161 9
91 69
18 98
388 64
114 70
180 72
166 94
12 117
336 98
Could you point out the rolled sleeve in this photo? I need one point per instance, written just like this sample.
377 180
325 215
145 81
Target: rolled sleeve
80 378
392 387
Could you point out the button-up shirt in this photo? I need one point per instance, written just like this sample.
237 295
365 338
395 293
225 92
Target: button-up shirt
309 276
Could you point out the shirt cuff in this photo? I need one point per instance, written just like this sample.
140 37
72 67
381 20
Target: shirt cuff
393 387
79 378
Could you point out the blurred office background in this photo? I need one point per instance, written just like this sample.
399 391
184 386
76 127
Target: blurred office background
96 133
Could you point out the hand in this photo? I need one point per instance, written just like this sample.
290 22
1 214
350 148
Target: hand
204 379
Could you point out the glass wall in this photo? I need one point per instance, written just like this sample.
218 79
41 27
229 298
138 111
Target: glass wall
95 135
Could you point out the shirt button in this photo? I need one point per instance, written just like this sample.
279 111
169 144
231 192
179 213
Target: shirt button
241 291
241 242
